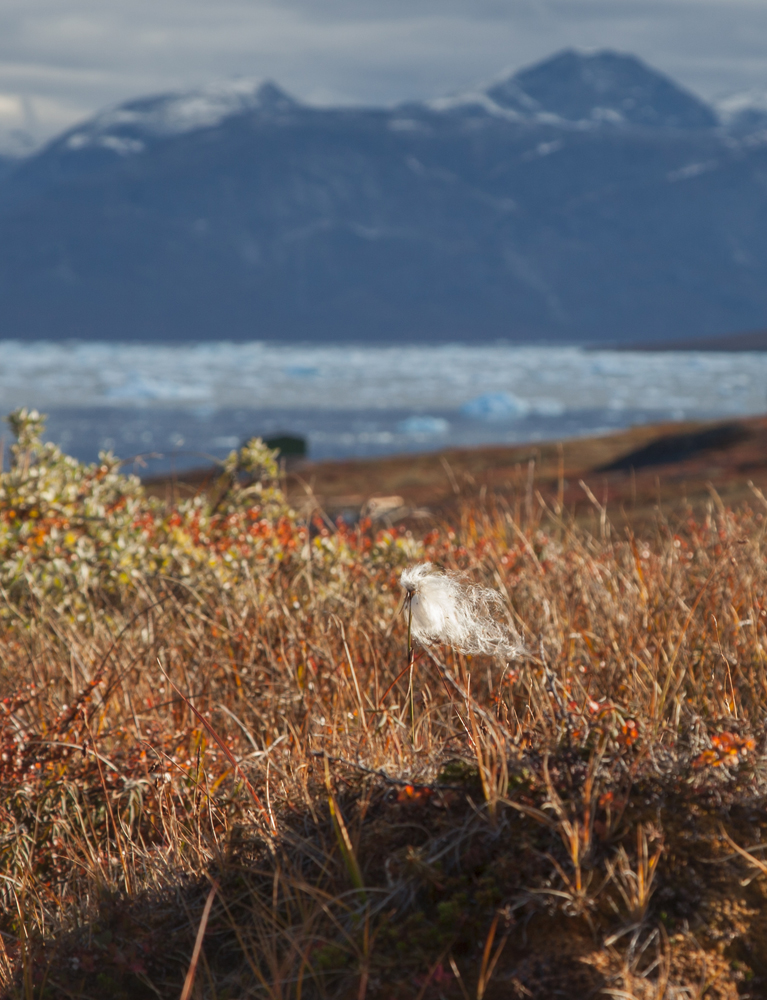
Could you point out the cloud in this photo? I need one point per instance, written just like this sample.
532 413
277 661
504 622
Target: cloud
68 60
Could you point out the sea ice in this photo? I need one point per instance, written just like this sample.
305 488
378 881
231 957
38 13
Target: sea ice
467 394
547 407
139 388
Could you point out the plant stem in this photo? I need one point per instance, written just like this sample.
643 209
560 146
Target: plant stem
411 664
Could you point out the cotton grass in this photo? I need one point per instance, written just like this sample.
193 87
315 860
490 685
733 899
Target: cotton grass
445 608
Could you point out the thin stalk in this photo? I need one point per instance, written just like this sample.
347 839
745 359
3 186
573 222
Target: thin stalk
411 664
192 970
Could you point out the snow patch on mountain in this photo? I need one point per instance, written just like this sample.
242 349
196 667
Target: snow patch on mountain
125 129
474 100
744 100
743 113
691 170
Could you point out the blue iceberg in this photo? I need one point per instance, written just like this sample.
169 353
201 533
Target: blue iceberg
423 425
496 406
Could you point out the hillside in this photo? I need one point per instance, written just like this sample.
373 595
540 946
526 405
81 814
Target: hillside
585 199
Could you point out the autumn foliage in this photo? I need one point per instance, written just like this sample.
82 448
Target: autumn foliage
214 782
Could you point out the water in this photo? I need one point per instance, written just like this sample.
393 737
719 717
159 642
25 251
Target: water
190 403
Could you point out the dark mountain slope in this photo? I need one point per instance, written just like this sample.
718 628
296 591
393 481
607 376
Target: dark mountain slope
247 215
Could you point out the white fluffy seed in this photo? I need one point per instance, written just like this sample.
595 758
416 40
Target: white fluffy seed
448 609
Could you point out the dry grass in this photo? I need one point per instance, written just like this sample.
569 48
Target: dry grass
215 791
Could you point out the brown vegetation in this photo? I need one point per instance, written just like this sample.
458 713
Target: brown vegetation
212 785
685 461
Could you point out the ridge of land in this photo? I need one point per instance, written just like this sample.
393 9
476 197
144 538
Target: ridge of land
752 340
631 472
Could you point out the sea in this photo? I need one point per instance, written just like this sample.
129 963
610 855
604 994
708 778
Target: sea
163 408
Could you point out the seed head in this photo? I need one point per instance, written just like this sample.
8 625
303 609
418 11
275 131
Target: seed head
446 608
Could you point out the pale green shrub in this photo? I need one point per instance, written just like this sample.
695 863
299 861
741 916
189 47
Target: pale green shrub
83 536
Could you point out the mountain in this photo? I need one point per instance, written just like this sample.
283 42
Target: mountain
137 127
585 199
606 87
7 165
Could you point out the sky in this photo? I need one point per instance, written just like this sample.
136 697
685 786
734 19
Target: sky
63 60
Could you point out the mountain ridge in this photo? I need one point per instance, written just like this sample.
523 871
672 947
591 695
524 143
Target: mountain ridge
584 199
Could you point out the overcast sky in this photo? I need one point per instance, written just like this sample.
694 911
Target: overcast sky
61 60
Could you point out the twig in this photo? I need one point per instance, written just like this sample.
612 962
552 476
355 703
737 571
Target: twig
191 972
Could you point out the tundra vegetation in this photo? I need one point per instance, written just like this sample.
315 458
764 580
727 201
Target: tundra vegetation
218 781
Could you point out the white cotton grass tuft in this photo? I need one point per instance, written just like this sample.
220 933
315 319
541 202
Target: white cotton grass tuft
447 609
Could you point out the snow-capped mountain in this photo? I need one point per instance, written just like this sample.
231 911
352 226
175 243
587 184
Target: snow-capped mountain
137 126
129 127
585 91
587 198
